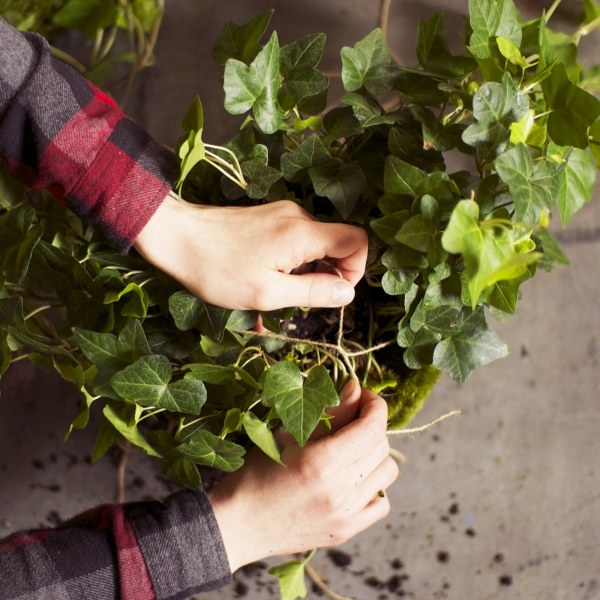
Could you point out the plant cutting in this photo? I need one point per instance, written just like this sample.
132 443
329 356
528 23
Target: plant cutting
194 385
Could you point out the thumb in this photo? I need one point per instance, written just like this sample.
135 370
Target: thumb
322 290
344 413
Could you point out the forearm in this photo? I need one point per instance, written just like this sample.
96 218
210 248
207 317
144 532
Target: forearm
119 552
58 131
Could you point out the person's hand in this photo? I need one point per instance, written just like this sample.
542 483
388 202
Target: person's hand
326 493
249 257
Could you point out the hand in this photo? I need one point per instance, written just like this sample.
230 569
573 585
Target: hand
245 257
326 493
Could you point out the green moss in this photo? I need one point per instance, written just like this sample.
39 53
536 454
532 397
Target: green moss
410 396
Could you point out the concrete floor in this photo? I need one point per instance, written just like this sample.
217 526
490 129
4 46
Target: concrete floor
502 502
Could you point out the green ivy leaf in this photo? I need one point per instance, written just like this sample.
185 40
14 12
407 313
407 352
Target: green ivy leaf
261 435
205 448
122 419
387 227
551 252
367 111
291 579
368 64
137 303
301 79
474 345
591 10
533 186
210 373
402 178
396 282
109 353
490 19
173 465
433 53
573 110
488 251
418 232
146 381
5 352
495 107
86 16
260 177
339 123
419 346
503 295
511 52
255 87
299 401
595 141
188 312
576 184
147 13
13 320
342 183
241 42
310 152
19 237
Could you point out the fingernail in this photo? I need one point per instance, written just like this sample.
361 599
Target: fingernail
343 293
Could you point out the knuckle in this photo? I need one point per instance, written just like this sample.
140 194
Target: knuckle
260 298
313 470
331 502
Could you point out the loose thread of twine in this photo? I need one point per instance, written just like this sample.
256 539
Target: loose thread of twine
452 413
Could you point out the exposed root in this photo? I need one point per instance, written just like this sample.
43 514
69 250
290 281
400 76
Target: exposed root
318 581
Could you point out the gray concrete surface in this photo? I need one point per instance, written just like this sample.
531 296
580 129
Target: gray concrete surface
502 502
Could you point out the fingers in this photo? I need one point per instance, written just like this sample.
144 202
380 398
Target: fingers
342 414
309 289
379 479
349 405
347 244
364 432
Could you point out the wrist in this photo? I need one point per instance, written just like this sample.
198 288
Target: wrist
238 543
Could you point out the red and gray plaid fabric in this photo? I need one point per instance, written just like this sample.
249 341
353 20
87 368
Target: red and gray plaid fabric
137 551
58 131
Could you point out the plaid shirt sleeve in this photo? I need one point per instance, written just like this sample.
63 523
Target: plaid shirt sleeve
59 132
138 551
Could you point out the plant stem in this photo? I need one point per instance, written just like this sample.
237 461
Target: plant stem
67 58
551 10
122 471
36 311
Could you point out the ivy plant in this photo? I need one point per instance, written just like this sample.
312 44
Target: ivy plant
194 385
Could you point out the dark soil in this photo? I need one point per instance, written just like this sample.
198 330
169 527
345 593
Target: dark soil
322 324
